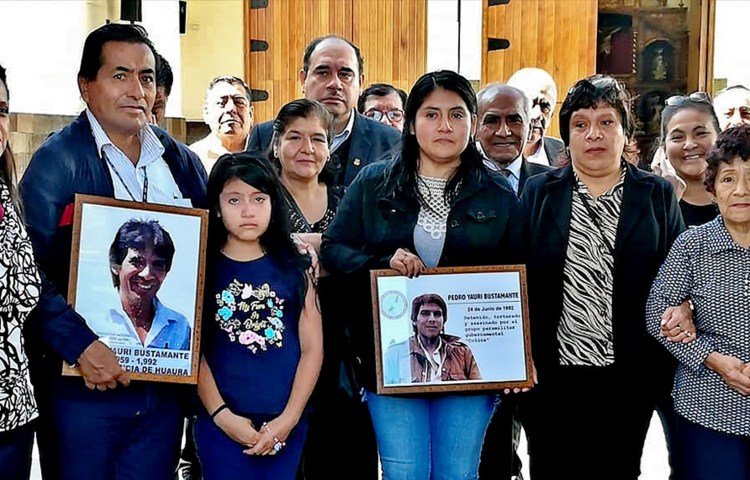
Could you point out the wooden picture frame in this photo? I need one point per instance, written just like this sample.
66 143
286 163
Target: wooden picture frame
108 277
485 329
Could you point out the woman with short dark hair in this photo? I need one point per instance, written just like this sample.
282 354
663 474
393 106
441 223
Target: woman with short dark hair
597 231
689 128
710 265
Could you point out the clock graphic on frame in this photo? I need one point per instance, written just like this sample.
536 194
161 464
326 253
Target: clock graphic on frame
393 304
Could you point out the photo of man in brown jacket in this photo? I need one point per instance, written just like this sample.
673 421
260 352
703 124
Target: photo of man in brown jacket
429 355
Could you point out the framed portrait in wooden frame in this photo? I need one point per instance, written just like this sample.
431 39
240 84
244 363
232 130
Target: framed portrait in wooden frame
451 329
137 277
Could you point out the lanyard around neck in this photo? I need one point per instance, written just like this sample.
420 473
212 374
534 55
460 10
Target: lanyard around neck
122 180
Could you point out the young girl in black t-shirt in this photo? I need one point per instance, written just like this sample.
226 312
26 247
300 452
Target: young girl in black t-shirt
262 340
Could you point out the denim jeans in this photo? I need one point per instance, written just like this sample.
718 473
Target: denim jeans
130 433
430 438
15 452
705 454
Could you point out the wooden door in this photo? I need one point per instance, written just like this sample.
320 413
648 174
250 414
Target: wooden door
392 35
556 35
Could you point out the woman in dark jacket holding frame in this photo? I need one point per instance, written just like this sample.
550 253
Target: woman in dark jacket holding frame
434 205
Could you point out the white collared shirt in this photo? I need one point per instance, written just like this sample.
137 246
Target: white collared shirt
210 148
169 329
513 167
341 137
129 180
540 156
435 358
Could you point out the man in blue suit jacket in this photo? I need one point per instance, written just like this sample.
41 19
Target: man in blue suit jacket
332 73
93 427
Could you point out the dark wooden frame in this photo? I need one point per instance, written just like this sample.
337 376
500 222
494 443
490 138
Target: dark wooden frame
80 201
528 382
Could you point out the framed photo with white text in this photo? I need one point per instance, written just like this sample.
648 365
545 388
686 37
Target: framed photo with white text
451 329
136 277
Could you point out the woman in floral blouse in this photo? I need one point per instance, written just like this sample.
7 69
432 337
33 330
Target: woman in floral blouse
19 293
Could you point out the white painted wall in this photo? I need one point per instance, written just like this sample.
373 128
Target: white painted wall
443 34
730 58
42 42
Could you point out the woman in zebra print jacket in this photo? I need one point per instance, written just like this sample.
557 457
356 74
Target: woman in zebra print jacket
597 229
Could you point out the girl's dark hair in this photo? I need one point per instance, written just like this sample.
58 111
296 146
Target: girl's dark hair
732 143
669 111
254 170
302 108
588 93
402 174
7 161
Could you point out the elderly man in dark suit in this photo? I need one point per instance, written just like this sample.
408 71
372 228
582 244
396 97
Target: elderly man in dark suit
332 73
504 123
540 87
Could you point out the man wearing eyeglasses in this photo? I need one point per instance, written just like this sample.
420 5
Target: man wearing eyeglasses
540 87
383 103
332 73
229 115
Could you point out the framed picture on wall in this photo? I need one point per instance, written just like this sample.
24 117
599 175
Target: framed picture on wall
451 329
136 277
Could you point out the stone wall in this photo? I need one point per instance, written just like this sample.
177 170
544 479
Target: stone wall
29 130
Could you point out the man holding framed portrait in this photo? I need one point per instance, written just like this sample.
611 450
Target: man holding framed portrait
92 427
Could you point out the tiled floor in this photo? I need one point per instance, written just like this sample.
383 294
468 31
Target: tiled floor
653 465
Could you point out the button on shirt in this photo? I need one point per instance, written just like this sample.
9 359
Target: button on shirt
585 331
706 266
151 171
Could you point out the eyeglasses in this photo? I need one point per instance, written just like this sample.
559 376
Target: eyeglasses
697 97
393 115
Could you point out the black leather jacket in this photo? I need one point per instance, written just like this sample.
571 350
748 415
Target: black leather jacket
483 228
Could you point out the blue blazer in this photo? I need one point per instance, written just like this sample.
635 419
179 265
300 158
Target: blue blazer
67 163
370 141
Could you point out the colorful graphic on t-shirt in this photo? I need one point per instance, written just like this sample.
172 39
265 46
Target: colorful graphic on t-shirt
251 316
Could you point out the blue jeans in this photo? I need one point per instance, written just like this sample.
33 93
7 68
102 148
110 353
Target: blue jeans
424 438
15 452
130 433
705 454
